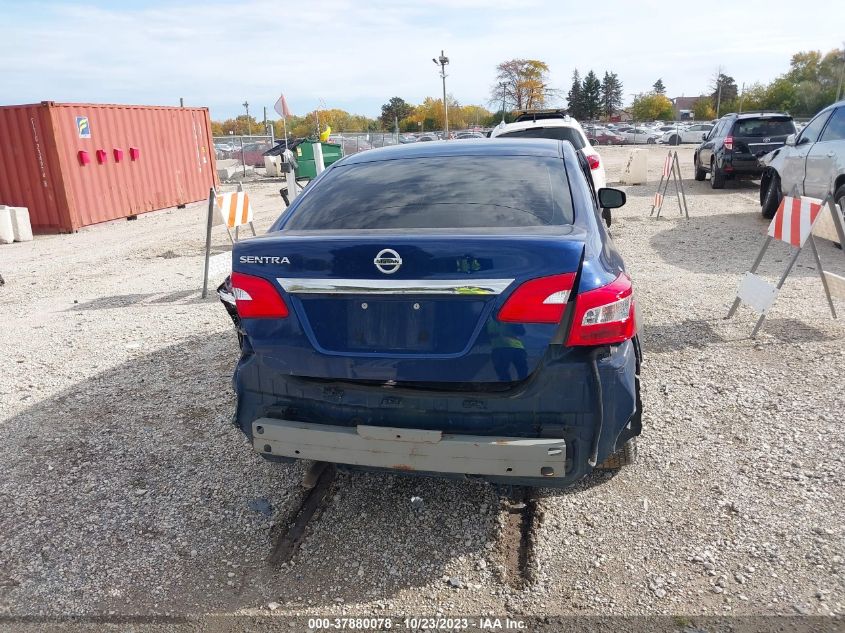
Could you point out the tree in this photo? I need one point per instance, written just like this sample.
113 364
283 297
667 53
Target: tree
395 110
703 109
611 94
658 87
591 96
574 98
728 91
652 107
525 83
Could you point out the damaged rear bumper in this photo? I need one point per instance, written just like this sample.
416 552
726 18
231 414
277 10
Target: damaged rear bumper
412 450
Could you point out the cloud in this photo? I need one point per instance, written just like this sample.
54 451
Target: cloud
356 55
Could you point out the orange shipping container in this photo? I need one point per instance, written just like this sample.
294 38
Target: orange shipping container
75 164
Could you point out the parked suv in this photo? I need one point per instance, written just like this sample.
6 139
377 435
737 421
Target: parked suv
737 141
813 161
547 124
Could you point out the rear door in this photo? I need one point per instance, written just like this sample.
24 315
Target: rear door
826 157
795 159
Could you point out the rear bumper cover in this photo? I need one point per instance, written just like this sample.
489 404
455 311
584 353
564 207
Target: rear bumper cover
412 450
557 402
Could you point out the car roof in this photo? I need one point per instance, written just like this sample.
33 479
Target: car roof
467 147
524 125
756 114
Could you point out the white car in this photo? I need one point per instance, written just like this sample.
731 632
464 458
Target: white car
641 135
813 161
690 134
562 129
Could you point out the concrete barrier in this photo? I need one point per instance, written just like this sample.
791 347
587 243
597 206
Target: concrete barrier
7 231
635 171
273 166
21 226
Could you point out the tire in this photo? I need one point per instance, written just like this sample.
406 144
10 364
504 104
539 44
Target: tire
717 178
649 141
675 140
700 172
624 456
839 198
771 198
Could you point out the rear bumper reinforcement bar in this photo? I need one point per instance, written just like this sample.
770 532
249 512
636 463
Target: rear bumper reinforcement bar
412 449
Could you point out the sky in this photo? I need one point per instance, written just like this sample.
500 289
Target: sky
356 54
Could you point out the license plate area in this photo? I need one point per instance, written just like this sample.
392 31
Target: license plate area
375 323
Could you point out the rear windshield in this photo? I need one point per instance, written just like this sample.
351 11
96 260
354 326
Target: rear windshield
439 193
764 127
559 133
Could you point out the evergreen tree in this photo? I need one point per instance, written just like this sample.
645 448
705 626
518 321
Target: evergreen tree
611 94
573 98
659 88
591 96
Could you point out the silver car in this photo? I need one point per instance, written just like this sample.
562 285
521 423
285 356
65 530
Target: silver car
813 160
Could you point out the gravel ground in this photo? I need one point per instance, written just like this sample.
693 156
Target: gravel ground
127 491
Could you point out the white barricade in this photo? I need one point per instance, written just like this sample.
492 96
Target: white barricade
635 171
7 231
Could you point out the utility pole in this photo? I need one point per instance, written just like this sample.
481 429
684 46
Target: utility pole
245 104
503 86
718 90
442 61
741 97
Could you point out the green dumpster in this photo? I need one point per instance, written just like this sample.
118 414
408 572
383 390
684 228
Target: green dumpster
307 168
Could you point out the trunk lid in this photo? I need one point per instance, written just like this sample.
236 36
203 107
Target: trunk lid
416 306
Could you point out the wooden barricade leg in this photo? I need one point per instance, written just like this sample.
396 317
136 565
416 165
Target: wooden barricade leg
821 274
211 197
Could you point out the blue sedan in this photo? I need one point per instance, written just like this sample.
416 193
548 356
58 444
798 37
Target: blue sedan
453 309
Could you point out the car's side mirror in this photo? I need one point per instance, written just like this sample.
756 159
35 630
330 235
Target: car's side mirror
790 140
610 198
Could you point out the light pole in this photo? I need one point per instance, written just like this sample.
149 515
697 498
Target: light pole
503 86
245 104
442 61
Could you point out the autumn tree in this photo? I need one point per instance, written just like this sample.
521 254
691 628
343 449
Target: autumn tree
703 109
524 82
652 107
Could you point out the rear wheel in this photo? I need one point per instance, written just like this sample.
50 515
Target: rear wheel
624 456
717 178
650 141
700 172
675 140
771 197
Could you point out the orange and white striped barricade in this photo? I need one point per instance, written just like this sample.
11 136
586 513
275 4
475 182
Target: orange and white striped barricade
671 171
233 210
793 224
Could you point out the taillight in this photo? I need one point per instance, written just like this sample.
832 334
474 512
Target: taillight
605 315
593 161
257 298
729 142
540 300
